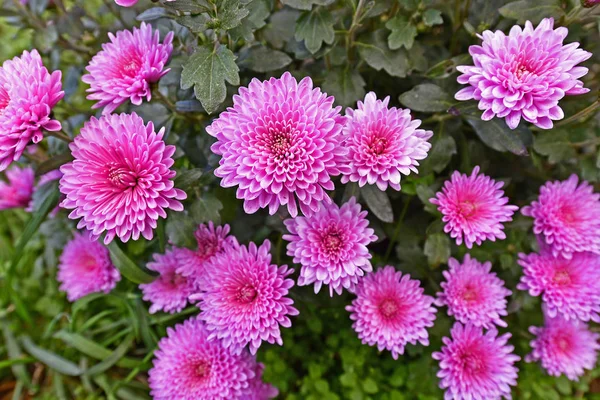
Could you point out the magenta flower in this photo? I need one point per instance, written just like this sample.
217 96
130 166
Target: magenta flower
280 141
28 92
570 287
473 293
564 347
589 3
170 291
120 181
126 67
567 217
474 208
391 310
524 74
85 267
17 192
190 366
260 390
383 143
244 297
474 365
331 246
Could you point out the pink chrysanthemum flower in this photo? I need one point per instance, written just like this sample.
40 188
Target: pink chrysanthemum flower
570 287
331 246
474 365
391 310
244 297
120 181
524 74
589 3
190 366
473 293
260 390
564 347
28 92
170 291
17 192
211 240
85 267
567 216
474 208
383 143
281 141
126 67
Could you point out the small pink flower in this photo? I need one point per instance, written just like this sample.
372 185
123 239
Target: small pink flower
474 208
260 390
383 143
126 66
391 310
473 293
28 92
589 3
17 192
331 246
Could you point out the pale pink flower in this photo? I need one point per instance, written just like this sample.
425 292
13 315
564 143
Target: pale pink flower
17 192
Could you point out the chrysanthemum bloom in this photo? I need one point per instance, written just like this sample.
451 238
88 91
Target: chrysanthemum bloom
524 74
390 310
27 94
244 297
570 287
281 141
120 181
190 366
567 216
211 240
170 291
331 246
589 3
474 208
473 293
474 365
260 390
126 67
383 143
85 267
564 347
17 192
44 179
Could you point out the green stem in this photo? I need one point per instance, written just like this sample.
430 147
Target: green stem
393 239
586 112
354 26
60 135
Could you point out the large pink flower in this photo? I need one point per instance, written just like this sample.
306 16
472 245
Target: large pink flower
28 92
473 293
567 216
570 287
281 141
524 74
474 208
474 365
331 246
126 67
243 297
383 143
120 181
391 310
85 267
564 347
17 192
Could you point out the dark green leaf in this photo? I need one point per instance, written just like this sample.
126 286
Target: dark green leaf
305 4
53 163
188 6
180 230
315 27
532 10
92 349
425 193
195 23
14 353
263 59
127 267
352 190
188 178
378 202
259 11
374 50
432 17
281 27
440 154
153 13
112 359
403 32
437 249
52 360
500 137
346 85
426 97
206 208
555 145
231 13
189 106
410 5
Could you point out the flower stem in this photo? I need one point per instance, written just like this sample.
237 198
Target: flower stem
60 135
586 112
396 231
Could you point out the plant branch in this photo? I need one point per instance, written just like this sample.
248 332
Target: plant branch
396 231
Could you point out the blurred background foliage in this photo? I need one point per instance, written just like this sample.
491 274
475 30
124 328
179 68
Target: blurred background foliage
101 346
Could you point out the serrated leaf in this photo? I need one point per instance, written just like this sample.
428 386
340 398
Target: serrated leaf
195 23
188 6
51 359
403 33
281 27
259 12
374 50
314 28
378 202
230 14
432 17
555 145
497 135
306 4
264 59
426 97
153 13
180 230
206 208
437 249
347 86
127 267
188 178
532 10
207 70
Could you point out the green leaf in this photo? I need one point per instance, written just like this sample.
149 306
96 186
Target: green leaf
53 163
259 12
440 155
532 10
52 360
347 86
231 13
374 50
410 5
127 267
437 249
378 202
195 23
207 70
497 135
264 59
206 208
315 27
403 32
188 178
432 17
426 97
112 359
305 4
92 349
180 230
370 386
14 353
555 145
281 26
189 106
189 6
425 193
154 13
